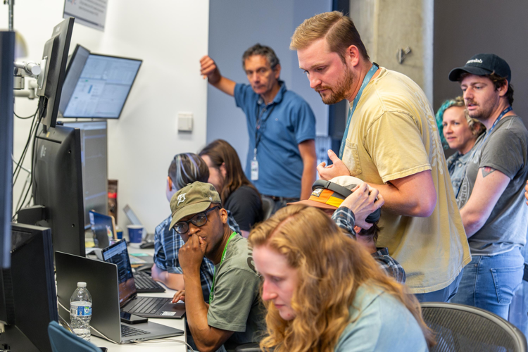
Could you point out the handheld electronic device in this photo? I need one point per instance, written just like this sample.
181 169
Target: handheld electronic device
128 318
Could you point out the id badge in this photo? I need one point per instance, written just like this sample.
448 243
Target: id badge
254 174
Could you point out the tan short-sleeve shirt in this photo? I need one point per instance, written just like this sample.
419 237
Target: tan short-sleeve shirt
393 134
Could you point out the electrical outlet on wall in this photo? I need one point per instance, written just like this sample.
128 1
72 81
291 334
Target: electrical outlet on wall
185 122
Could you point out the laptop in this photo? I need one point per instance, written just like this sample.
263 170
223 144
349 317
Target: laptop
135 221
102 282
118 254
130 302
103 227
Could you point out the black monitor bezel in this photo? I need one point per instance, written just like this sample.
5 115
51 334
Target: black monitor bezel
128 93
32 285
55 72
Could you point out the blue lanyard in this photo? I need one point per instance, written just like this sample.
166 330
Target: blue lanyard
365 82
481 145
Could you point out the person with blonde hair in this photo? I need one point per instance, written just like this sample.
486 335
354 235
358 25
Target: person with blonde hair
458 131
323 292
391 143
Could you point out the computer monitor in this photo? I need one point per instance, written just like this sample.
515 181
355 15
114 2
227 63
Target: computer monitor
53 66
74 68
101 87
58 186
7 48
94 164
28 299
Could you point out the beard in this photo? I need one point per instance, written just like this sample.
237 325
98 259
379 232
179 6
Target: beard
482 112
338 93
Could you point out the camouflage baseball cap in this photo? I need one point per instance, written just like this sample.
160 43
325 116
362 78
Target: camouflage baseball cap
192 199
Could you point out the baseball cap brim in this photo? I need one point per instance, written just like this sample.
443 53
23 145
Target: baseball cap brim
189 210
457 72
314 204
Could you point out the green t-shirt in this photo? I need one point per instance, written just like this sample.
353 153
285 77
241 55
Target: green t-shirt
235 303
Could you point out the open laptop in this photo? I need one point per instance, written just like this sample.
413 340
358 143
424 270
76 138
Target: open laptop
119 255
135 221
102 282
130 302
104 229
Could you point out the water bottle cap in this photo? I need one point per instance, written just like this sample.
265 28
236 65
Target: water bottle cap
81 284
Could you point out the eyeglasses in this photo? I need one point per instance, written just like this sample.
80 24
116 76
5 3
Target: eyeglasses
199 220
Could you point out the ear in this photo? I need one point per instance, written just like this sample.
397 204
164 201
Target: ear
277 71
223 213
352 55
169 184
223 171
504 88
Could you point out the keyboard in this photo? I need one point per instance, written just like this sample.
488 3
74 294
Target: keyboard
130 331
148 305
145 284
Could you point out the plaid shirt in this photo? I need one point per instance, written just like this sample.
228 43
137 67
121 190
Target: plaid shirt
345 219
167 243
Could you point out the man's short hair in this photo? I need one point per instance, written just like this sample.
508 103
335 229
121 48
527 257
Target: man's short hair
262 50
338 29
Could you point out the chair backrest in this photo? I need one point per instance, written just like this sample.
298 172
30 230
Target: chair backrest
464 328
64 341
268 207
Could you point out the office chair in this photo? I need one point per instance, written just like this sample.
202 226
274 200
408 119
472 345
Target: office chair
248 347
268 207
463 328
62 340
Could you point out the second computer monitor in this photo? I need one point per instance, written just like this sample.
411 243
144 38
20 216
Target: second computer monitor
101 86
94 164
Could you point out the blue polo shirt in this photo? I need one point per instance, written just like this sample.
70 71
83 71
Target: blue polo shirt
286 122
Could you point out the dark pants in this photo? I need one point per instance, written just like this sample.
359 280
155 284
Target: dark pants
442 295
280 202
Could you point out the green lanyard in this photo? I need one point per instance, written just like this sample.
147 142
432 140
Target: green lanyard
221 260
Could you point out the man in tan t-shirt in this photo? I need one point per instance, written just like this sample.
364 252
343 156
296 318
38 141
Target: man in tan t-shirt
392 143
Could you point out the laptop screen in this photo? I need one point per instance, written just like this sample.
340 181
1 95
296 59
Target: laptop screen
118 254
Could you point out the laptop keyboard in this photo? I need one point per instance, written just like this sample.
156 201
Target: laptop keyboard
145 283
148 305
127 331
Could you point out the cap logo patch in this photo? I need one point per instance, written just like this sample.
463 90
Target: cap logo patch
475 61
181 198
317 192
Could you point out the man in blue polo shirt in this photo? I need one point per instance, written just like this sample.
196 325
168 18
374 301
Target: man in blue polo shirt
281 158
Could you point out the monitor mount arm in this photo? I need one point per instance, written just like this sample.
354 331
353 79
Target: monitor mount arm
29 69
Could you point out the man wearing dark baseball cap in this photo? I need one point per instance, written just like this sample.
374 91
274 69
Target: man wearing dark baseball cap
234 314
491 192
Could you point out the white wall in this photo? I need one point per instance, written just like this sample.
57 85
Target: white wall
236 25
170 36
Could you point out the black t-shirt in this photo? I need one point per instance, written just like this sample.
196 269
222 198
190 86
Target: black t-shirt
245 206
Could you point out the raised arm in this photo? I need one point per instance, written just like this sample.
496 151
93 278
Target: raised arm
490 184
209 69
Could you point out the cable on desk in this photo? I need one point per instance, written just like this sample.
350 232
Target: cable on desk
91 327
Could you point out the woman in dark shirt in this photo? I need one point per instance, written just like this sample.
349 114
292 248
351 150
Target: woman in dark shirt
237 193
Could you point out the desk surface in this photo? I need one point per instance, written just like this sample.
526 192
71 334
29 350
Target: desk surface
172 344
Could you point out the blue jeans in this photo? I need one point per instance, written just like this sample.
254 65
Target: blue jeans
442 295
489 282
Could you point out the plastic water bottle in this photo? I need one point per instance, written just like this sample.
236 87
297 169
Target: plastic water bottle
81 311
